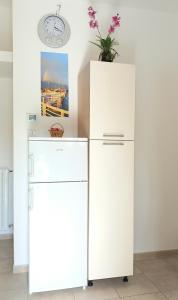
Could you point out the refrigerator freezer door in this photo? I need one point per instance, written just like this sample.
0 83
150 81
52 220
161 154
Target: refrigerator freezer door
111 209
56 161
57 236
112 101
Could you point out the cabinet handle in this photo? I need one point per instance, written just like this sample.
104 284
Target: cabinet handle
113 135
113 144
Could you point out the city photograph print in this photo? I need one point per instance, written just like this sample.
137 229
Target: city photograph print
54 85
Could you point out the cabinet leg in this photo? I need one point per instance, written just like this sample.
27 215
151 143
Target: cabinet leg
90 283
125 279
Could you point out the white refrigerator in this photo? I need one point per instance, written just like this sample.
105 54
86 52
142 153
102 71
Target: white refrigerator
58 196
106 116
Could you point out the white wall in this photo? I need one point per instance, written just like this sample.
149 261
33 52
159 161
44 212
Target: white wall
156 161
6 123
6 86
27 47
148 39
5 25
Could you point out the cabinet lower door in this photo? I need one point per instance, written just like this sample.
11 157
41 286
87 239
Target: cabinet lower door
111 209
57 236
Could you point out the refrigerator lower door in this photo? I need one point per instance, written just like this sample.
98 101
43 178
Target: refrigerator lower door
57 236
111 209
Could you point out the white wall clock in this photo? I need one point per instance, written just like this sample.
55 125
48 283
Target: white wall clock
54 30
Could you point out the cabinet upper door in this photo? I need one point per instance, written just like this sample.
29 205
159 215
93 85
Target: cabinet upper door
112 100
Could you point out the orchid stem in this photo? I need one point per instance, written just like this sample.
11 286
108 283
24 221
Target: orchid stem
99 33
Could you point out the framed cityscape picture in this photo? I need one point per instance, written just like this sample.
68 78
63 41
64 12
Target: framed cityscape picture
54 85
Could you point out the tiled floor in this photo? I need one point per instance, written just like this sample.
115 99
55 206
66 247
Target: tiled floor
155 278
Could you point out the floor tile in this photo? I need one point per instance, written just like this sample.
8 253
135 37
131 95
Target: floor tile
154 265
137 270
152 277
6 252
101 290
172 295
172 260
156 296
6 243
6 265
57 295
165 280
13 295
137 285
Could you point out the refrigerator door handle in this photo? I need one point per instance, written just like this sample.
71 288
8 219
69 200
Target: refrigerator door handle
30 199
113 135
113 144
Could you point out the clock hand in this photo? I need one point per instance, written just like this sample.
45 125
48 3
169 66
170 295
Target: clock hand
57 29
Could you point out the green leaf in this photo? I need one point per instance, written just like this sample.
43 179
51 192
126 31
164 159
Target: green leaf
96 45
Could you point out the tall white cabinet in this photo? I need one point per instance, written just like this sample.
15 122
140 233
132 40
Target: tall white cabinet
106 116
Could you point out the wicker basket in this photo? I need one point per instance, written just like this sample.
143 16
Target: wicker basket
56 130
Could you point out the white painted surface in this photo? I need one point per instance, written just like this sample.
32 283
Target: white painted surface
59 139
6 70
154 5
27 48
5 25
156 148
112 101
6 134
6 202
51 161
58 201
111 183
6 56
6 178
152 46
58 236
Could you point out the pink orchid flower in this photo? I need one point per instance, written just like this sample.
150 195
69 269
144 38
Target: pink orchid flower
93 24
92 14
111 29
116 24
116 18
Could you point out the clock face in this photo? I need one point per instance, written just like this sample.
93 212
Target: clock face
53 31
54 25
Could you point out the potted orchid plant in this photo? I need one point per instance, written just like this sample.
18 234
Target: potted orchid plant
108 53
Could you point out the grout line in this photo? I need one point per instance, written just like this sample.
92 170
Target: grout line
152 293
155 286
142 295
